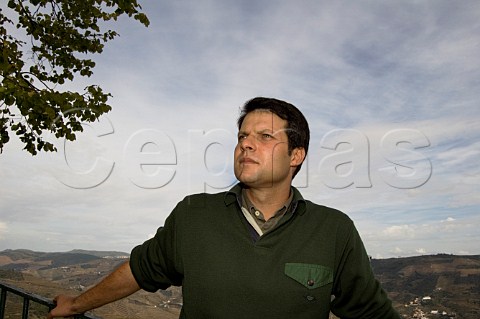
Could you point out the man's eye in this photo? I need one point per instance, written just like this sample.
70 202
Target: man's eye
266 136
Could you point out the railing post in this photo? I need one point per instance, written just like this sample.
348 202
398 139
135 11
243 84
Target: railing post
26 304
3 299
27 297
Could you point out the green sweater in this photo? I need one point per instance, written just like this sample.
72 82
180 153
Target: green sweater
312 262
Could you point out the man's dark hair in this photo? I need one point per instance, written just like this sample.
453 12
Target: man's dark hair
298 132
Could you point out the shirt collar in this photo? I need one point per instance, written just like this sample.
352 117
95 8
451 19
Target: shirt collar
235 195
247 203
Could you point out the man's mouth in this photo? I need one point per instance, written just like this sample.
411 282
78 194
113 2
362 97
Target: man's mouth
247 160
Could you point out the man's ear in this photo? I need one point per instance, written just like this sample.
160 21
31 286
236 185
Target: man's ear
298 156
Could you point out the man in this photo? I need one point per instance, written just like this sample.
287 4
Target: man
257 251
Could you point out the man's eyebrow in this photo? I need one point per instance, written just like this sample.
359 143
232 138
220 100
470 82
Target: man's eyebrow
270 131
241 133
260 131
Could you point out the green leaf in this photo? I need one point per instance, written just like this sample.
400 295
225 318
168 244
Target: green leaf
62 34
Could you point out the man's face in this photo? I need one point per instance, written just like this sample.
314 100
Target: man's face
261 154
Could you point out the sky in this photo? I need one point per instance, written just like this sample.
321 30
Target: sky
391 91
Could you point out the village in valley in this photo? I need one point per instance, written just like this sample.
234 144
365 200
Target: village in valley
422 309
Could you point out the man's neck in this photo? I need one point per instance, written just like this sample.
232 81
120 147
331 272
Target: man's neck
268 200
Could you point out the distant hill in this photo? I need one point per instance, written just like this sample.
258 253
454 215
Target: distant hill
101 254
24 259
19 254
447 285
450 283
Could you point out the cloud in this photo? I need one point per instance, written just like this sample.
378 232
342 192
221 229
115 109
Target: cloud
3 229
421 251
399 232
449 235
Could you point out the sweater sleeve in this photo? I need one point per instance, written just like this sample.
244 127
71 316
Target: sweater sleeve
153 263
357 294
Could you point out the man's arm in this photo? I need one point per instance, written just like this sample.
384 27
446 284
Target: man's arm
119 284
357 293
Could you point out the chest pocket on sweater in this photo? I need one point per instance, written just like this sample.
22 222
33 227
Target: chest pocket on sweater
309 275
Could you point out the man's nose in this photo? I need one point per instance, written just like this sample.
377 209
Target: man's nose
247 143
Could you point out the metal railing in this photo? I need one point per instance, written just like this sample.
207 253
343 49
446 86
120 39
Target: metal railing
27 298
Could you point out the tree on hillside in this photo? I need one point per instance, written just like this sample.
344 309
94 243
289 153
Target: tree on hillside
44 45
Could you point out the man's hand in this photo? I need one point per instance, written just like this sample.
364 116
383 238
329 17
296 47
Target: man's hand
64 307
